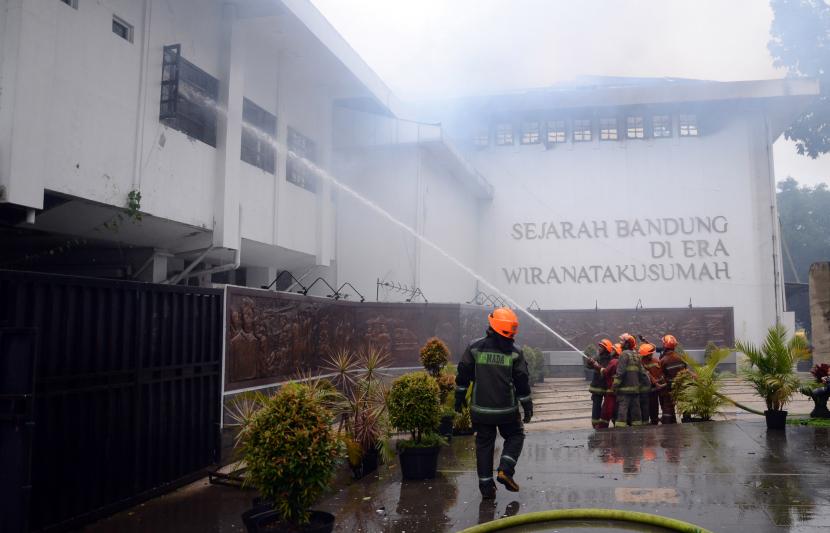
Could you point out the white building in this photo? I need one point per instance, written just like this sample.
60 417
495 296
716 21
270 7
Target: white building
177 101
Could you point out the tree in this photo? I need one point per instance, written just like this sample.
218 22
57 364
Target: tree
805 224
800 42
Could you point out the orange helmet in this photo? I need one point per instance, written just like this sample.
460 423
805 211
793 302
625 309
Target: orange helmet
647 349
606 343
669 342
618 349
504 322
628 341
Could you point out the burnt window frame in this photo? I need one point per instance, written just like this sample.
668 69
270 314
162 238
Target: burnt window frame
255 150
129 29
178 110
559 135
692 127
580 133
296 172
665 131
605 132
639 130
502 131
530 136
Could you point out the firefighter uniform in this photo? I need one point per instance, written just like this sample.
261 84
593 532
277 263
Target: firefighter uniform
609 402
627 384
498 372
598 386
658 386
671 364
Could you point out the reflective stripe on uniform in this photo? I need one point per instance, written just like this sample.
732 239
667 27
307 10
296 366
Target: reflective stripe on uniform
493 410
509 458
526 398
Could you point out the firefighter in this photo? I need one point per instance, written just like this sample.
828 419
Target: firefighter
657 381
498 372
671 364
627 383
609 403
598 388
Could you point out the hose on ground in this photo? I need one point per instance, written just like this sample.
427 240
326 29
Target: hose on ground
538 517
738 405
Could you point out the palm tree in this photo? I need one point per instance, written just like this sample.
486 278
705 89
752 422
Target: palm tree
699 389
769 367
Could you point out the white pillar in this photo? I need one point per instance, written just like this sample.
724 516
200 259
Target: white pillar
160 267
228 132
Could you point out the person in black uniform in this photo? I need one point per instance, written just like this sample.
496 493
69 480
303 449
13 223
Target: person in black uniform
497 370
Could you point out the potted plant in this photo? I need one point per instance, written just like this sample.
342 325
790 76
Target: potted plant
414 407
291 453
769 369
698 390
535 364
434 357
463 424
820 372
363 424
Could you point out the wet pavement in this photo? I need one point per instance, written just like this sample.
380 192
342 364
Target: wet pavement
724 476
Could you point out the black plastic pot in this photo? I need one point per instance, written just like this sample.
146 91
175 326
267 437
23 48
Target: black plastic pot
445 429
419 463
776 419
463 432
820 410
268 521
368 464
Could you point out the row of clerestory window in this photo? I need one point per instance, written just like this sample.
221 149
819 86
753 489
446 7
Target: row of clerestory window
582 130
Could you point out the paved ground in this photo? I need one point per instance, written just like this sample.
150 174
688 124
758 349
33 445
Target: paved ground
726 476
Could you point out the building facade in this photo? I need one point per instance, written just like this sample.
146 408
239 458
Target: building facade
211 142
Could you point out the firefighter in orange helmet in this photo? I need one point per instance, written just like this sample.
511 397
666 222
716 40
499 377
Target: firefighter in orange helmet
598 386
497 369
627 383
671 364
657 386
609 403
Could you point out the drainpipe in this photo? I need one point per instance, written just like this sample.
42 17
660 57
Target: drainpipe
141 107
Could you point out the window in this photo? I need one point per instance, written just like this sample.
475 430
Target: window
259 131
661 126
556 131
71 3
188 97
122 29
608 129
301 157
530 133
634 128
582 130
687 125
504 134
481 139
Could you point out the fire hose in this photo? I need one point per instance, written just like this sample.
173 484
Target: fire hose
670 524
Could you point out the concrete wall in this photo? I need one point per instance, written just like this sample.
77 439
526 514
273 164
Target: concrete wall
723 173
417 190
820 311
80 106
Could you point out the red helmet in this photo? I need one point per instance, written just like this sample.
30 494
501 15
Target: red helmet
504 322
606 343
647 350
628 341
669 342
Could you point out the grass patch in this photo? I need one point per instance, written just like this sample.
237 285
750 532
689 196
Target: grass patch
815 422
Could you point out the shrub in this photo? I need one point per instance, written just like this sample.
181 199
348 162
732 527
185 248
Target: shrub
434 356
769 367
535 363
699 392
291 450
446 386
820 371
414 406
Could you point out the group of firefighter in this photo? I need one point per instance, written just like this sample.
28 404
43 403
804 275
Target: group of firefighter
631 384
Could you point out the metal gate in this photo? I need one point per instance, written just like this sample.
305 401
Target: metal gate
126 394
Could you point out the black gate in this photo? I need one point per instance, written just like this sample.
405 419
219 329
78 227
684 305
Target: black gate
126 393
